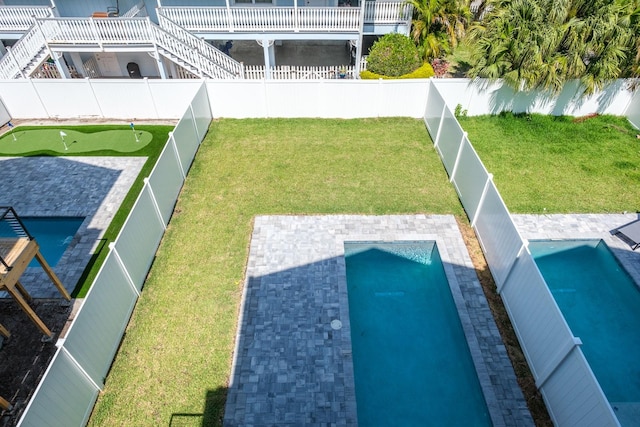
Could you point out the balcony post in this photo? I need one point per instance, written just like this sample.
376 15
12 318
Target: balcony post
360 38
229 16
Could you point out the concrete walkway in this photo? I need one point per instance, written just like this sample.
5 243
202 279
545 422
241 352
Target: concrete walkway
291 367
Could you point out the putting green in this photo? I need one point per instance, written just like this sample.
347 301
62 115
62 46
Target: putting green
20 141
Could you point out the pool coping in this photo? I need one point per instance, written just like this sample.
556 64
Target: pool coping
583 227
288 250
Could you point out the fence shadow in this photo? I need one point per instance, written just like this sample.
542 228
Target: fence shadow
214 401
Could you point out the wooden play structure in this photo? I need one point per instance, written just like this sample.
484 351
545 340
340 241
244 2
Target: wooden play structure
17 249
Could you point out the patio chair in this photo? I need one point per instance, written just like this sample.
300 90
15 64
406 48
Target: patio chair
631 233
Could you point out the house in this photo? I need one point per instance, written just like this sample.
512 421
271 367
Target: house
116 38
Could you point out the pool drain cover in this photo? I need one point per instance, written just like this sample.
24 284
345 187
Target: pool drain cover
336 324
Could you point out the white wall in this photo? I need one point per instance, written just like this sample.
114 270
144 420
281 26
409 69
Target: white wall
480 97
633 111
101 98
165 99
4 114
318 98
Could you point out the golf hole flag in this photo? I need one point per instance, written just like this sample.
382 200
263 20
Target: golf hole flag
62 135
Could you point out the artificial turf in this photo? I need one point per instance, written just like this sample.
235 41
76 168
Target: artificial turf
75 140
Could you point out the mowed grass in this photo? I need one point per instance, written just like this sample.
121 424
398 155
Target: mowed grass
545 164
175 361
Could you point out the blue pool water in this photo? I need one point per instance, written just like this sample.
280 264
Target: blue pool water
601 304
412 365
53 235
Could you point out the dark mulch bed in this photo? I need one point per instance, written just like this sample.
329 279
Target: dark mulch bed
24 357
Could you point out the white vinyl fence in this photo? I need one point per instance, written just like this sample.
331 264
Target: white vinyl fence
480 97
70 386
571 391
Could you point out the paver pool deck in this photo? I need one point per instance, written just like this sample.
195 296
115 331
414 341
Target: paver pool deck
584 226
292 368
90 187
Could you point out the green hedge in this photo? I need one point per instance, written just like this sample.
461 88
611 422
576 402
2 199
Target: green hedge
393 55
424 72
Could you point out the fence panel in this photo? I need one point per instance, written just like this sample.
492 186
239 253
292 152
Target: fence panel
139 238
572 386
186 138
535 316
97 329
449 141
166 181
498 234
470 178
64 397
433 111
201 111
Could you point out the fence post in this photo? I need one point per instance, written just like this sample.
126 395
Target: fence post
500 286
444 109
556 361
195 125
98 387
482 197
95 97
175 150
112 246
155 202
455 165
153 101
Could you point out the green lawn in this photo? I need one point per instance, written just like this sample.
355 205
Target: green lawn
545 164
175 361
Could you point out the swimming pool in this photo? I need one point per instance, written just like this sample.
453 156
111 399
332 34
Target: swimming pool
53 235
601 304
412 364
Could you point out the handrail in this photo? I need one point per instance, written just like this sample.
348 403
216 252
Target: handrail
264 19
9 214
214 61
21 18
24 50
135 9
387 12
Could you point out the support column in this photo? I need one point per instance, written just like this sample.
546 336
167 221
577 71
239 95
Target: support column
160 63
77 63
269 56
360 39
60 64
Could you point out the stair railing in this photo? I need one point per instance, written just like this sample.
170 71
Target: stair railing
215 56
20 56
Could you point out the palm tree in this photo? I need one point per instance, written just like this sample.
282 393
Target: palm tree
545 43
438 25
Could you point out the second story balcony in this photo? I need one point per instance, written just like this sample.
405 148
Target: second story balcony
276 19
16 20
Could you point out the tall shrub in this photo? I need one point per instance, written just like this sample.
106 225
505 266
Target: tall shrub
393 55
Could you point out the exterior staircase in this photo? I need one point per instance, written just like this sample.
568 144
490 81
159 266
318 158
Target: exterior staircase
170 40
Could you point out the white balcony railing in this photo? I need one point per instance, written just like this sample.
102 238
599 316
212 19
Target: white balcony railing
279 19
387 12
21 18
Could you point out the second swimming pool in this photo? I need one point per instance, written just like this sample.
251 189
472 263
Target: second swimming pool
53 235
412 364
601 304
